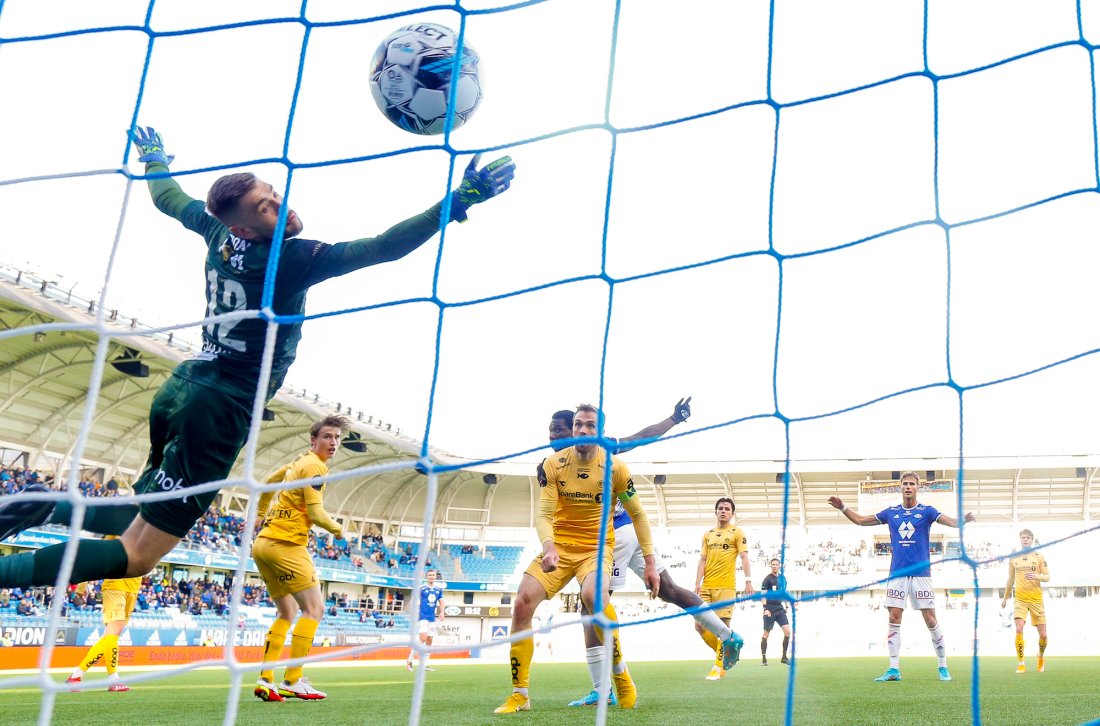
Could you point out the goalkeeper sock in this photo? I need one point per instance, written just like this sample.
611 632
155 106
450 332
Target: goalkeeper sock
521 654
893 643
273 648
1042 646
786 642
301 640
101 520
764 647
595 658
95 560
938 644
1019 646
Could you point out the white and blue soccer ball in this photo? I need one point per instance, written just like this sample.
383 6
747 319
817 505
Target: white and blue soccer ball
410 78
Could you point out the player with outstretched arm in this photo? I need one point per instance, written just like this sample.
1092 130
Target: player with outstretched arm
200 416
910 568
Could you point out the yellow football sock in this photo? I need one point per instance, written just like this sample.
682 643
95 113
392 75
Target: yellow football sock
1019 646
273 648
521 654
301 640
1042 646
94 653
617 664
716 645
110 650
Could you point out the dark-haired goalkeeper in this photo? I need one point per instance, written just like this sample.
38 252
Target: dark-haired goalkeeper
200 417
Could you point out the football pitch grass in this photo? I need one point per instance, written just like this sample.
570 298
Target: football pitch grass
828 691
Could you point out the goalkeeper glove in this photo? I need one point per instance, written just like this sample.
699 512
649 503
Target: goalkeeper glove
682 412
148 142
479 185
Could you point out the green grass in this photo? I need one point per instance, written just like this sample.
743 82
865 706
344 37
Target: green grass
828 691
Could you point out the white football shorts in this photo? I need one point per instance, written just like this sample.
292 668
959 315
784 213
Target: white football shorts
917 590
628 556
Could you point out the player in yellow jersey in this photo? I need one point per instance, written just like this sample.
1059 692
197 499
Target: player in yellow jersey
119 598
568 524
285 564
1025 571
716 578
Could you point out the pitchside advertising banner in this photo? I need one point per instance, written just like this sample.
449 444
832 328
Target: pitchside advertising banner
15 635
39 538
210 637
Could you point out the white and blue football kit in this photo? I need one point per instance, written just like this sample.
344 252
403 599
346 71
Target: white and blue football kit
910 568
430 597
628 551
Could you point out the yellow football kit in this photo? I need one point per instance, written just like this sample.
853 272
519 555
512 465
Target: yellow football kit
1029 595
722 546
280 548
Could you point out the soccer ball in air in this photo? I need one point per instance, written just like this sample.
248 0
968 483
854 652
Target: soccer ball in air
410 78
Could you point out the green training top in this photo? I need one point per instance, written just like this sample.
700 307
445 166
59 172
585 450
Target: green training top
232 350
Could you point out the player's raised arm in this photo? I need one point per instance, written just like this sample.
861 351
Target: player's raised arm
949 521
853 516
477 186
168 196
680 413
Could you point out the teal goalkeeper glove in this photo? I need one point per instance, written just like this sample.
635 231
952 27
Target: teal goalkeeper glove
149 144
479 185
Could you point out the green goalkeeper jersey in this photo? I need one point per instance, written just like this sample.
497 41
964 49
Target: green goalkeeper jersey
236 269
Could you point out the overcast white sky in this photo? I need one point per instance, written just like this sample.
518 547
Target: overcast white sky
856 323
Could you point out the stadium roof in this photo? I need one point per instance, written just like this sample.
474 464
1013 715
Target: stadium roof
48 345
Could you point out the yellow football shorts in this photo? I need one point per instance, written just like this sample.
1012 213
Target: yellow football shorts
118 605
1023 607
286 568
578 562
723 594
